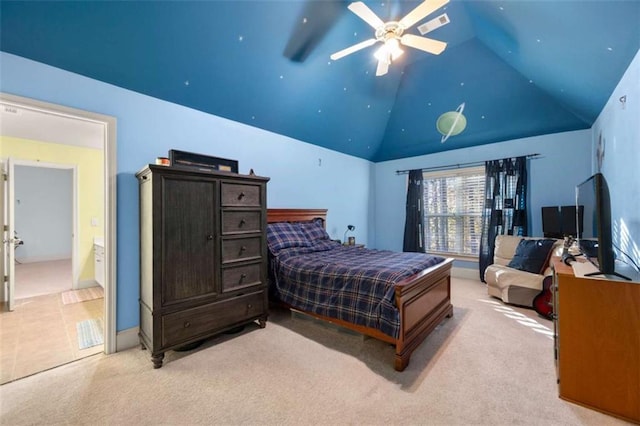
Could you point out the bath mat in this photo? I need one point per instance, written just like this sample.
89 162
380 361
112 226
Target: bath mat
90 333
82 295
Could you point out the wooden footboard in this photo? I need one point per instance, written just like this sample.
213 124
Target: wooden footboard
423 299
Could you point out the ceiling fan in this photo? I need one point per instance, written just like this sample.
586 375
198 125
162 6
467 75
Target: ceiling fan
391 34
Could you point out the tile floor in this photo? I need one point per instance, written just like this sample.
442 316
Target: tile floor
41 334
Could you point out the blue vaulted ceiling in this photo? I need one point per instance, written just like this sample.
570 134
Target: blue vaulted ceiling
522 68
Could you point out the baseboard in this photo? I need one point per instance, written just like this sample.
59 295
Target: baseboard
87 284
466 273
127 339
41 259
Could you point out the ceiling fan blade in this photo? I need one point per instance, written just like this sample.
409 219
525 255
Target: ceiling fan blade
421 11
311 26
383 67
354 48
366 14
427 44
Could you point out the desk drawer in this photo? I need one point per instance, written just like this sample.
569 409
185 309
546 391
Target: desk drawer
236 194
237 249
241 221
205 320
238 277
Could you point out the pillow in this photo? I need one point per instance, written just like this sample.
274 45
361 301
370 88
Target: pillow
314 230
323 245
532 255
283 235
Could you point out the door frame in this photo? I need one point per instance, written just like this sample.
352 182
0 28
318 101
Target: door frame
75 272
110 170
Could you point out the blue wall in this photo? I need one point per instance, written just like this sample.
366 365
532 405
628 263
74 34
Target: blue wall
369 196
302 175
565 160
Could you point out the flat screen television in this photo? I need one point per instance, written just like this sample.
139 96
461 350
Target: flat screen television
596 239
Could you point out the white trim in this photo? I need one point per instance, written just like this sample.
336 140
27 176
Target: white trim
36 259
127 339
110 170
87 284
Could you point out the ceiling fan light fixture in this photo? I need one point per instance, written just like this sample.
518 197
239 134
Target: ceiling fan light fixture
390 51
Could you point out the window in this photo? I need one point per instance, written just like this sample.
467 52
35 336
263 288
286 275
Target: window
453 203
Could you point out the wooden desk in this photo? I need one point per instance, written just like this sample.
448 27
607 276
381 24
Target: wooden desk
598 342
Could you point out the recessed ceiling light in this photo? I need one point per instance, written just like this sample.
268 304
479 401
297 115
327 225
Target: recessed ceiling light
304 20
186 83
368 106
319 111
281 77
482 117
530 81
610 49
462 83
240 38
344 88
501 8
538 40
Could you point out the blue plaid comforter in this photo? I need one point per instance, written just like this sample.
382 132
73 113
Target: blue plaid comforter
348 283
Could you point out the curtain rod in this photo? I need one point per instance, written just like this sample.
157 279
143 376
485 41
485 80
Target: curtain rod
460 165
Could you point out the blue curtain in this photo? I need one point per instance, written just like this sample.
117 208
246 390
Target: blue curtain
505 208
414 223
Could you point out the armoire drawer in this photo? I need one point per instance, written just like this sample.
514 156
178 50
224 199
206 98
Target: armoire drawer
236 249
241 221
237 277
236 194
204 320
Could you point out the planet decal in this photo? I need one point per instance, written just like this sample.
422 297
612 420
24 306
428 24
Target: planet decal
451 123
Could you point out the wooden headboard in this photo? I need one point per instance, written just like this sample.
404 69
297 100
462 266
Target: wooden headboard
296 215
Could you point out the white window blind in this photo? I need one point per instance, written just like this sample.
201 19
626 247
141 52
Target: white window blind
453 202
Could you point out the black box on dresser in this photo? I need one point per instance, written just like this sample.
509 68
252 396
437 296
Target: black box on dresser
203 255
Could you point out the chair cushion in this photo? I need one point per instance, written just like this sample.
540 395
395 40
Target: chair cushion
532 255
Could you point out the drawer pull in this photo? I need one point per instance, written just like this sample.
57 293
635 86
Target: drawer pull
241 196
242 222
243 277
243 248
209 237
187 324
249 306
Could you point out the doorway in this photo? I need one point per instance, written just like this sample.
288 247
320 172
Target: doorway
34 132
44 203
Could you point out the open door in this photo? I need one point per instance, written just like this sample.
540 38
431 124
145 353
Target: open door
8 240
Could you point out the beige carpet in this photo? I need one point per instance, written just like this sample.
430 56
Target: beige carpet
489 365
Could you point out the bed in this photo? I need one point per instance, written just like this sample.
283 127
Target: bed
399 303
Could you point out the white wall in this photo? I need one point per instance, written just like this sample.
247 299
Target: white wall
43 209
618 125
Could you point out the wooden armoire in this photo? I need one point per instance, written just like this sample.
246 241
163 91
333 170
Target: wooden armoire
203 256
